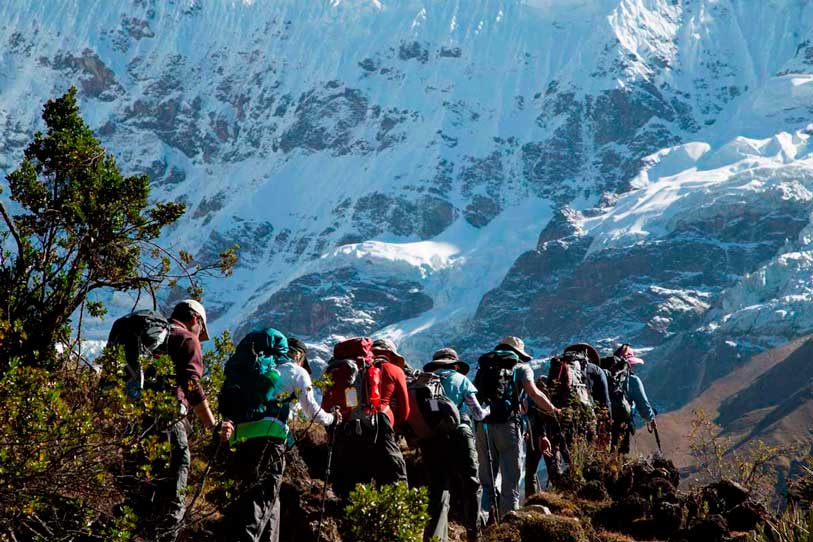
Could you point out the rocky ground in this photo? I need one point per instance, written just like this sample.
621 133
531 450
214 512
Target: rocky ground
609 499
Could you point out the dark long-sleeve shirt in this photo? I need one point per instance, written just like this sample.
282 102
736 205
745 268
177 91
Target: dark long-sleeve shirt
184 349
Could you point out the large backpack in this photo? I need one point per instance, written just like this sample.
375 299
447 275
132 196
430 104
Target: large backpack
496 386
431 412
251 382
141 334
356 386
618 374
567 377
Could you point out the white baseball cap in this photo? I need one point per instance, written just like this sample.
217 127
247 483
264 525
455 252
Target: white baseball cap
200 311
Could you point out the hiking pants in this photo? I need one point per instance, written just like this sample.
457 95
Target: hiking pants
451 467
257 468
505 442
365 458
173 489
621 433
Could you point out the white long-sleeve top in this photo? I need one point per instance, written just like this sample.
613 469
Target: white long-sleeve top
297 382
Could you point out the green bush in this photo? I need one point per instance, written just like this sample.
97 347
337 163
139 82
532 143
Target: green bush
391 513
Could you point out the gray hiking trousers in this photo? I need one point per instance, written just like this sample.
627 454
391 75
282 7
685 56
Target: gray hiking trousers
257 467
505 442
173 489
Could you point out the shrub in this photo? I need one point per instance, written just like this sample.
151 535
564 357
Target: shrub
391 513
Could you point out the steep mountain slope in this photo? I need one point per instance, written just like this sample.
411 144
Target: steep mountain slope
768 398
452 171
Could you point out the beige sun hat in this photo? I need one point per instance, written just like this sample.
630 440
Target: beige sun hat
387 348
517 345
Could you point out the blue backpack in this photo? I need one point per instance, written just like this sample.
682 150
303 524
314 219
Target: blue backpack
250 388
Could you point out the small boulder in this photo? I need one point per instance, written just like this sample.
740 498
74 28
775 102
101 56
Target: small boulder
668 518
667 469
746 516
594 490
724 495
710 529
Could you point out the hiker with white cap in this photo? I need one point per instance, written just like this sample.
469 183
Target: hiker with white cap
451 459
502 376
626 391
187 330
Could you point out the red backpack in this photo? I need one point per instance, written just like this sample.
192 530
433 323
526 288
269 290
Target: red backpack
356 387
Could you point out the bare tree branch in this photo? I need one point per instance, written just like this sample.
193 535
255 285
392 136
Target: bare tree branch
13 229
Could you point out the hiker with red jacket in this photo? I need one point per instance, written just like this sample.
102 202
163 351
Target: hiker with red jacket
450 458
369 386
188 328
502 376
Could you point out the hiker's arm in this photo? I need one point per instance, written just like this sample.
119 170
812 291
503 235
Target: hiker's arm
204 413
401 397
604 392
538 397
310 407
478 412
189 376
639 398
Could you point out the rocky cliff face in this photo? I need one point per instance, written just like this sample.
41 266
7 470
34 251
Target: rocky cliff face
446 172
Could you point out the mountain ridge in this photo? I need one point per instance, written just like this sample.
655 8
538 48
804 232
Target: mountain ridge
454 171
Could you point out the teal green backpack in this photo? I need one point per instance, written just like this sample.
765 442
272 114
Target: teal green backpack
252 378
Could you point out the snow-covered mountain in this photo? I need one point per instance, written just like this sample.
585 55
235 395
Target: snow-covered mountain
445 172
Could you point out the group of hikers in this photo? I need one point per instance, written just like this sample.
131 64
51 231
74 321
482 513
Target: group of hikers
471 434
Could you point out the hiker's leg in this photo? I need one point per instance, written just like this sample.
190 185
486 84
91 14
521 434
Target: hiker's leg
532 457
624 445
436 461
174 499
392 467
271 533
468 473
482 441
253 509
616 433
508 439
344 473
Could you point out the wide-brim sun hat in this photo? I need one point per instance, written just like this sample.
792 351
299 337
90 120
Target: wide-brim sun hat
387 348
591 353
517 345
446 357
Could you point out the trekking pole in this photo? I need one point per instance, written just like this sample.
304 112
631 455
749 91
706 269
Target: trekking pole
495 494
327 477
654 429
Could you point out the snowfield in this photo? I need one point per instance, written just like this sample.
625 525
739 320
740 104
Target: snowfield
450 171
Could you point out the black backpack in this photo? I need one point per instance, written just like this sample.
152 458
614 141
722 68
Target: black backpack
495 385
142 333
567 377
618 374
251 377
431 412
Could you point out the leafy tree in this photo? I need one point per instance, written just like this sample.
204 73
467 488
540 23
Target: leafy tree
77 456
82 226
